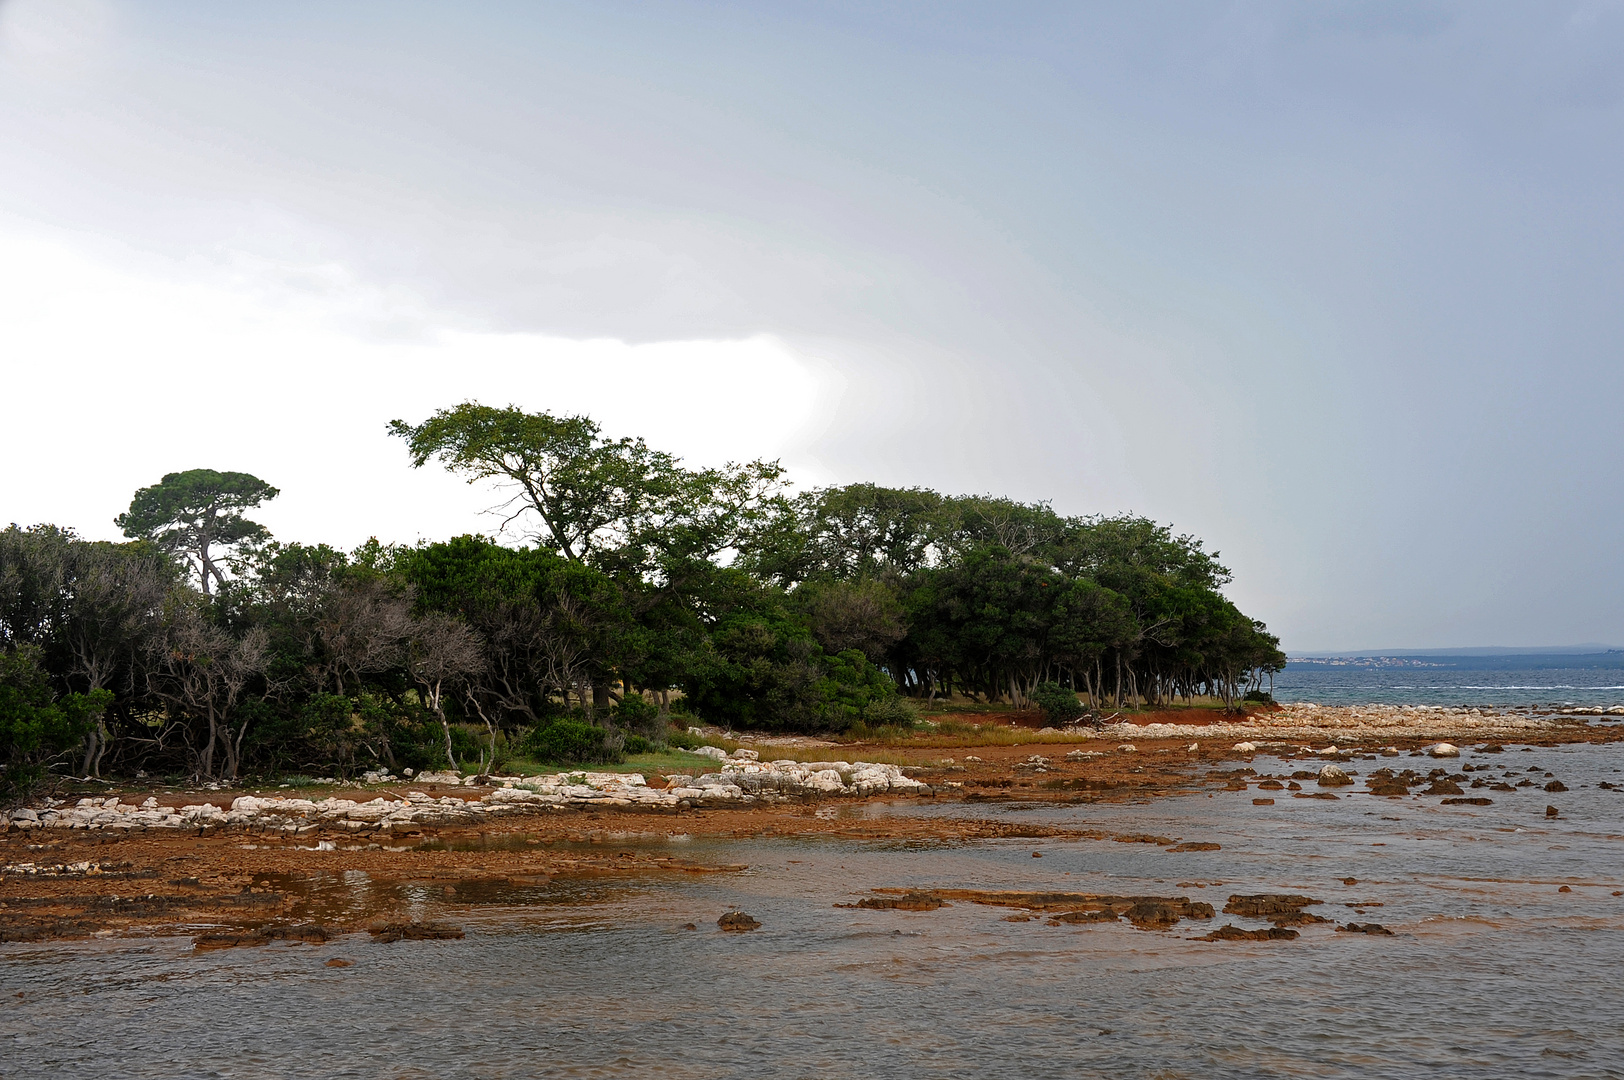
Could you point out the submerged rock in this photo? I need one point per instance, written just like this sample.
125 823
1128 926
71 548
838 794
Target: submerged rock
230 939
1276 907
1105 915
1365 928
1230 932
389 932
913 900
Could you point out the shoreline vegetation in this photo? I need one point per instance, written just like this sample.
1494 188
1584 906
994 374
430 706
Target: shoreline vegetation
636 598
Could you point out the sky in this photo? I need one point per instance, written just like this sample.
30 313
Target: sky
1334 286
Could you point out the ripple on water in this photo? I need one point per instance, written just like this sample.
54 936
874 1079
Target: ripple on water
1492 972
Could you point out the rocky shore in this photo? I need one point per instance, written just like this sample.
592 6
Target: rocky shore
739 779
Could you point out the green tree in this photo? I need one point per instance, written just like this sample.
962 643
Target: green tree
35 724
192 514
614 503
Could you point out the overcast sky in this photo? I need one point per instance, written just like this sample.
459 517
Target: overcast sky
1334 286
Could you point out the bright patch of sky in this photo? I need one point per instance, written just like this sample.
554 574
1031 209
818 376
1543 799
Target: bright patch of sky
1331 285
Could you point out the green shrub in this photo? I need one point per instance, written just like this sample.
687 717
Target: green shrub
635 716
1059 705
570 739
637 744
1261 697
684 740
35 724
893 711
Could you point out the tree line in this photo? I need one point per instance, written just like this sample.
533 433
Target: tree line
643 590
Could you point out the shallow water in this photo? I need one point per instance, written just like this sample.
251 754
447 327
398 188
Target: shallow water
1492 971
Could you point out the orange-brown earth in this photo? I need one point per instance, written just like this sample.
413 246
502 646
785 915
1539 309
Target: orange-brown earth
84 883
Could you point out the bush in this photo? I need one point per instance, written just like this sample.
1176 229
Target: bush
635 716
1261 697
36 725
637 744
1059 705
567 740
684 740
893 711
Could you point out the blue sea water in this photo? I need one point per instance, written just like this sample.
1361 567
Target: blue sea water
1586 679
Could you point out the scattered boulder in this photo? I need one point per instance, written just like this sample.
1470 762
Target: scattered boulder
1333 776
1245 748
1365 928
1444 786
1127 748
1556 785
340 962
1196 846
1551 811
737 922
1262 802
1443 749
1478 801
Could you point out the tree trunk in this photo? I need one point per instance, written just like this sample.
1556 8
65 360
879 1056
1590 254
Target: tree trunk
91 742
207 761
445 725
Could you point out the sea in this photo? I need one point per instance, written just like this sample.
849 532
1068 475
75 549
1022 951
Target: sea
1506 943
1543 679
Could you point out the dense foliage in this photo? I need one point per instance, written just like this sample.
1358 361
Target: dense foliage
645 589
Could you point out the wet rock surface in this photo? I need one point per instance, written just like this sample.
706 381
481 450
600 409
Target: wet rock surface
1143 912
1280 908
390 932
1231 932
914 900
738 922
